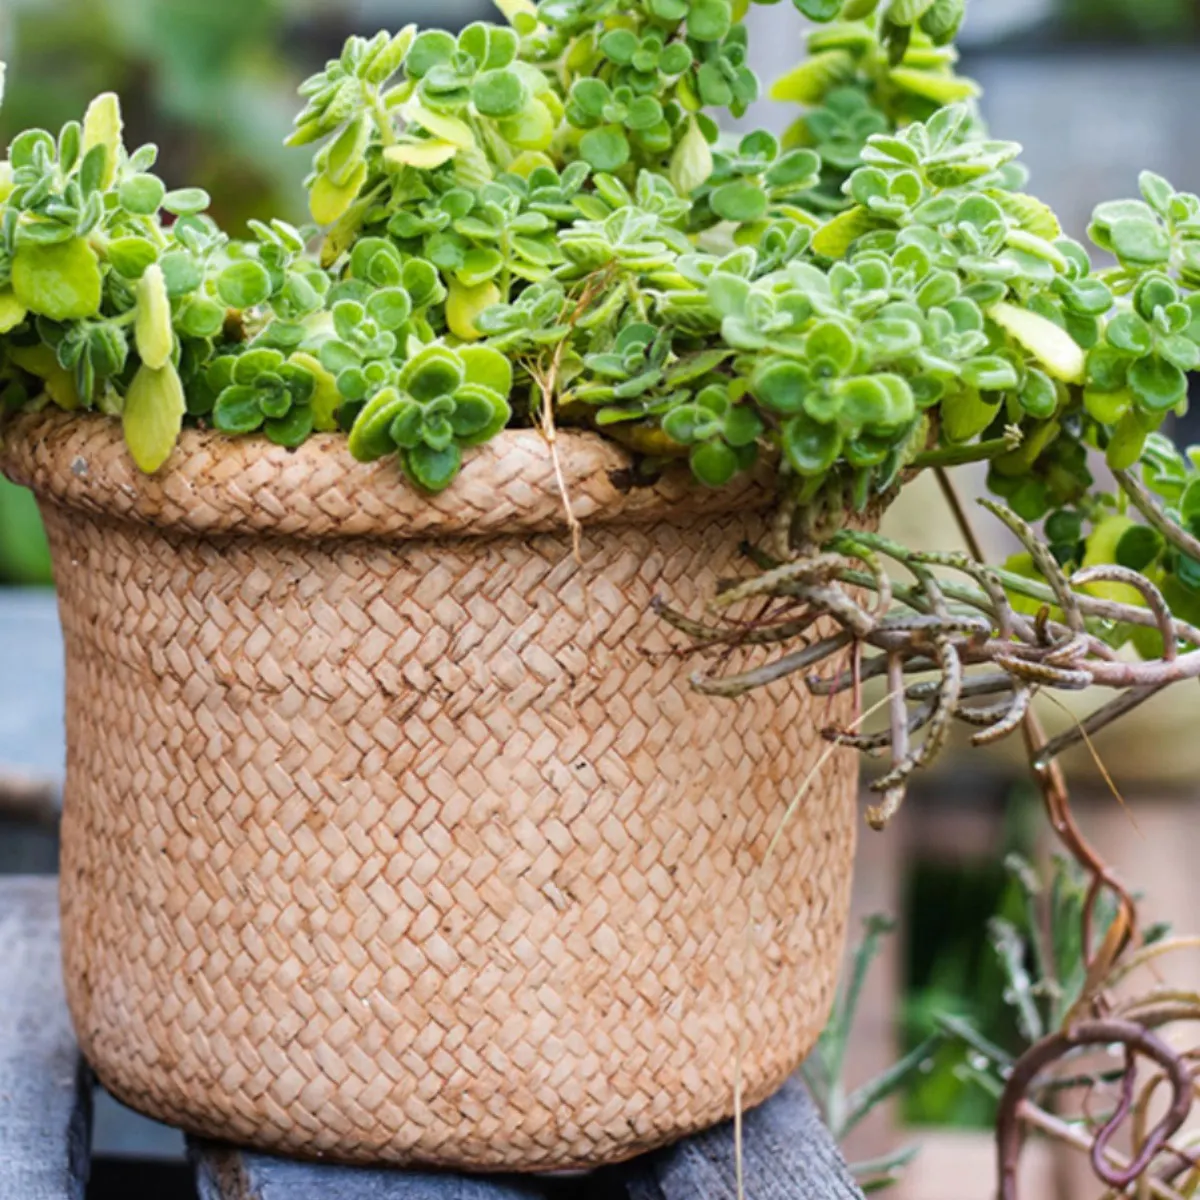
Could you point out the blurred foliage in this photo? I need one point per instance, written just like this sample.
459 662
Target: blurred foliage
210 81
956 979
1116 20
24 556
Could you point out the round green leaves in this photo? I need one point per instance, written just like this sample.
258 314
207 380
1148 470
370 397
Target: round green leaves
244 284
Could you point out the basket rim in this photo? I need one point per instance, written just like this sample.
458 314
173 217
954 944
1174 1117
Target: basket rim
214 484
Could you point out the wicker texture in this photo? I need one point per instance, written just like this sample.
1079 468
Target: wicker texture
390 849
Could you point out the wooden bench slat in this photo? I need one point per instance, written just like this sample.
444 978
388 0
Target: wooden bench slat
44 1092
788 1154
224 1173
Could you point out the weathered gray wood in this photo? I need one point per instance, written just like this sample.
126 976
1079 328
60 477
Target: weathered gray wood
788 1155
44 1092
32 741
223 1173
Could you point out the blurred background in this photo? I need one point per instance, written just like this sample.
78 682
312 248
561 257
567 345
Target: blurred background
1095 89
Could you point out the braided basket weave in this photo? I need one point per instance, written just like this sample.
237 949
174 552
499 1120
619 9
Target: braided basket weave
391 833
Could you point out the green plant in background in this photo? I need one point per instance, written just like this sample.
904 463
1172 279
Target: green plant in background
1118 19
207 80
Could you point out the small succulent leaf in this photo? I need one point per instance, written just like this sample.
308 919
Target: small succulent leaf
153 416
153 333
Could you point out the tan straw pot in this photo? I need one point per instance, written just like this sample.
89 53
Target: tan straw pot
392 835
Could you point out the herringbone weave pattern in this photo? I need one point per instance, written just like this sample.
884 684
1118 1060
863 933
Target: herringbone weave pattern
409 850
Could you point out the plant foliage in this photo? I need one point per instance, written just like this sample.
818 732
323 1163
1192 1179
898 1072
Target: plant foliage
870 295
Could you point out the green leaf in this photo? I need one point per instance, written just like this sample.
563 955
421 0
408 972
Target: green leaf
1127 442
433 372
692 161
811 448
1140 243
605 149
292 430
815 78
1039 396
370 436
966 415
1049 343
326 398
714 463
709 20
488 368
907 12
836 237
142 195
434 470
428 50
244 284
742 202
941 89
798 168
61 281
1139 547
389 308
153 416
465 304
237 410
890 338
186 202
782 387
499 93
181 272
130 256
831 342
12 311
152 328
1159 385
102 128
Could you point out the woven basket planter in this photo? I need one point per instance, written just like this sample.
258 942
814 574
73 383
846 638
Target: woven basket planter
392 835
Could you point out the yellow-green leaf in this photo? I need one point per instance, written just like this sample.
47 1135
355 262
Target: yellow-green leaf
522 15
326 399
12 311
449 129
814 78
423 155
529 161
329 201
60 280
692 162
532 129
1029 212
153 418
464 304
836 237
1050 344
152 327
6 181
41 361
941 89
102 126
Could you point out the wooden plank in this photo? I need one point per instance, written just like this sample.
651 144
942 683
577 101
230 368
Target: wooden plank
225 1173
44 1092
789 1155
32 740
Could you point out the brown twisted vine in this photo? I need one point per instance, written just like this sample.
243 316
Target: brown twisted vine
1136 1040
953 651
